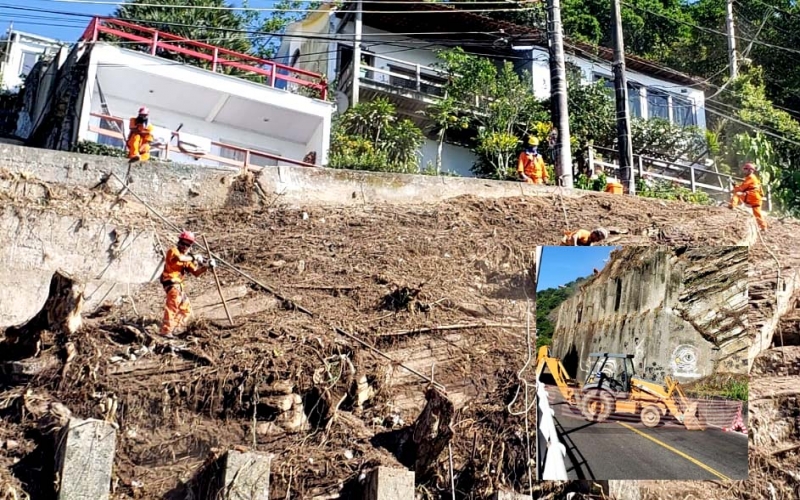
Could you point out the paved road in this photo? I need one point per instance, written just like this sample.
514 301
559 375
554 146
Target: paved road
625 449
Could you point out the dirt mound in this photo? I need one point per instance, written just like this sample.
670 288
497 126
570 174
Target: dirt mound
442 289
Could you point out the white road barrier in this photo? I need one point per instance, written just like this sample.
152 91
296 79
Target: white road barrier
550 452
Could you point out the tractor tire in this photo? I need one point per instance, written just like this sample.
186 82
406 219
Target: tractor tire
651 416
597 405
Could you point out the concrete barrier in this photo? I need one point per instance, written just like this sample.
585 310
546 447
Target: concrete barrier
184 185
84 459
387 483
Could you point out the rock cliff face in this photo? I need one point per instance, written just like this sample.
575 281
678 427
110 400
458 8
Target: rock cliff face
680 312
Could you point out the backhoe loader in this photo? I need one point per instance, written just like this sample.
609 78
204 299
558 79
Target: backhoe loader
611 388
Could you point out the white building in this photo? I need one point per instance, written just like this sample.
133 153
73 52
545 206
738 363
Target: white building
19 53
399 55
257 117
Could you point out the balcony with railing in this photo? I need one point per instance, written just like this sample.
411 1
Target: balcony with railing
184 148
216 59
409 85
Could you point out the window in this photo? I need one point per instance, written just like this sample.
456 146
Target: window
683 111
28 62
574 71
635 100
657 104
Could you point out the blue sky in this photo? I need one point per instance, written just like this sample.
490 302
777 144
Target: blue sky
561 265
66 21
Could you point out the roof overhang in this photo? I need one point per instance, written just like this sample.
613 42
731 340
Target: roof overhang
215 98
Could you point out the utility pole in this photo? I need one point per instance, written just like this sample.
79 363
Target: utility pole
357 54
558 93
624 146
734 64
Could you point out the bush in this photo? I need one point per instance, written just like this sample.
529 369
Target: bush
666 190
369 136
93 148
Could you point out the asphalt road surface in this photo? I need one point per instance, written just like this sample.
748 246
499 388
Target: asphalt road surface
623 448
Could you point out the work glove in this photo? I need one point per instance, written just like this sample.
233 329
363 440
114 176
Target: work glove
212 263
199 259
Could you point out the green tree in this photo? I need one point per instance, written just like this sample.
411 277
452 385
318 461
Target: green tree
219 27
498 104
369 136
547 303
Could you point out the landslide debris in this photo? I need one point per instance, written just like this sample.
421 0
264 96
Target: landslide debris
441 288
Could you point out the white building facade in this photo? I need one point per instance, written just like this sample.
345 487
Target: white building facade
214 107
20 53
402 67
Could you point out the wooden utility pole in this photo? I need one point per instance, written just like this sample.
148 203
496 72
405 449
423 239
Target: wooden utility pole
624 146
734 63
558 93
357 54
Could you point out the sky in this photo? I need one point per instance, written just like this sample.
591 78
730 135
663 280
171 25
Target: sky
560 265
66 20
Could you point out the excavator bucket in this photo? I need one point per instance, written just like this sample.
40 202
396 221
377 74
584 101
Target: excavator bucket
692 420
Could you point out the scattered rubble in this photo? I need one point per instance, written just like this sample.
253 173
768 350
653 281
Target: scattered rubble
439 289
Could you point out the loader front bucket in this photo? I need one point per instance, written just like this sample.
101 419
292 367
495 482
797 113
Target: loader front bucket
692 419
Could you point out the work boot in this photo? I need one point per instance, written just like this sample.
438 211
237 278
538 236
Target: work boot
134 159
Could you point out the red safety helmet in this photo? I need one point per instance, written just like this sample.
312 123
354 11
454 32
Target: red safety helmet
749 166
186 237
144 111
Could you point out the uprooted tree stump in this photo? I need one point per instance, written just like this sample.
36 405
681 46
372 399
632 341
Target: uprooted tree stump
419 445
60 315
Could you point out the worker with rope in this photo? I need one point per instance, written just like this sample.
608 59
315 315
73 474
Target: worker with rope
750 193
177 263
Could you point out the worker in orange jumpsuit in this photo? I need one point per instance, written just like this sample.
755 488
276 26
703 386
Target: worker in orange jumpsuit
584 238
530 164
750 192
177 263
140 136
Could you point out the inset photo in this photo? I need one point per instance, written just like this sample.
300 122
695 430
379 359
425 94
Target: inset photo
642 363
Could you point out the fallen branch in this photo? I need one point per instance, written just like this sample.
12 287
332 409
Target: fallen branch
322 287
785 450
467 326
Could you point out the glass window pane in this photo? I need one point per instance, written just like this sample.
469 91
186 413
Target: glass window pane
657 104
28 62
634 101
683 111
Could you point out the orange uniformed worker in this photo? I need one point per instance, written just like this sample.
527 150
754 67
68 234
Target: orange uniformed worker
584 238
531 164
177 263
750 192
140 136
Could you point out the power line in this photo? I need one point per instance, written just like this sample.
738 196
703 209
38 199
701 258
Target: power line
323 11
710 30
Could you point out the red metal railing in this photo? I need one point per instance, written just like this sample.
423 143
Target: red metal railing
217 56
248 155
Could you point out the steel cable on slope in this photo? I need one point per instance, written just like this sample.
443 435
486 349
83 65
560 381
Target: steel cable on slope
280 296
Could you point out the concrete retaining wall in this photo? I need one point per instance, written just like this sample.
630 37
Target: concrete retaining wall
169 185
34 243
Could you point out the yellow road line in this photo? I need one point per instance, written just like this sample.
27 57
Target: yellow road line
677 452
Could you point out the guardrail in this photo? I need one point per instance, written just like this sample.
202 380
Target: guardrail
248 155
643 163
550 452
217 56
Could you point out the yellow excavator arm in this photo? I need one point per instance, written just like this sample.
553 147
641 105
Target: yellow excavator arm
565 384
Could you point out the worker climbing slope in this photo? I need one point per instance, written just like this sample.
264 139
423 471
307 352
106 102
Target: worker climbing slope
530 164
140 136
584 238
177 263
751 193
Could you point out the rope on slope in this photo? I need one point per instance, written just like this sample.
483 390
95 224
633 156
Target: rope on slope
284 299
777 284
